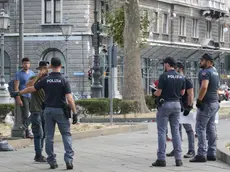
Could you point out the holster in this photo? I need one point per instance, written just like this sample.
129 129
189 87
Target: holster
159 102
67 110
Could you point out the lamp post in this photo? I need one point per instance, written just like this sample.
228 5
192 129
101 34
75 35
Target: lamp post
66 32
96 87
4 24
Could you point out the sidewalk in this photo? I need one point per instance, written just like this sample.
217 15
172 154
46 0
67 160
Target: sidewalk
131 152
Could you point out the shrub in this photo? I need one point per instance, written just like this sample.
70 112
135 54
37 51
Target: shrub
128 106
150 102
4 109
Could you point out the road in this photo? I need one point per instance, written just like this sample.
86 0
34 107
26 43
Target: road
130 152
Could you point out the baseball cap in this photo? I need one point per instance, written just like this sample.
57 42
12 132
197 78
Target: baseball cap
207 57
170 60
180 65
55 62
42 64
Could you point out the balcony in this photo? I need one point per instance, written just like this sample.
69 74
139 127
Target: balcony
216 5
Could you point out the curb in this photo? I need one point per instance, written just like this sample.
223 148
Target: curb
18 143
222 153
126 120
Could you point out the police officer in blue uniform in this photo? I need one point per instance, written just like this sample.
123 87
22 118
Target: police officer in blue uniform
207 105
187 103
171 87
57 91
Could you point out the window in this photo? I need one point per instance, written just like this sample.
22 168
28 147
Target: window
52 11
182 26
55 53
104 11
194 28
155 22
208 29
221 33
165 23
6 67
195 2
4 5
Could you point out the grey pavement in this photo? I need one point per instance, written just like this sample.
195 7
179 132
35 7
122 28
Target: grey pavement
129 152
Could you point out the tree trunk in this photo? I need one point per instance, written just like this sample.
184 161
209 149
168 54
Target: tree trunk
132 62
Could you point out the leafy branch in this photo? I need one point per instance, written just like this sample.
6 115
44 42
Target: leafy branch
116 25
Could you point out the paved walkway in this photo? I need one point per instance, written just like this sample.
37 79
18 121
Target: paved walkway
132 152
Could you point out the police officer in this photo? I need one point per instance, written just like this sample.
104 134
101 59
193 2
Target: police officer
187 103
171 87
57 91
207 105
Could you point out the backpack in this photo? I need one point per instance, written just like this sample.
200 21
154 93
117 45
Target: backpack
11 86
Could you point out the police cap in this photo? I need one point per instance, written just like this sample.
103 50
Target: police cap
42 64
55 62
170 60
207 57
180 65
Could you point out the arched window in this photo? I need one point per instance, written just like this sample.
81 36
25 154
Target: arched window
6 66
55 53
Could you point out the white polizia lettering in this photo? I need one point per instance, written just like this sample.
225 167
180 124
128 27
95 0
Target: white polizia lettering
175 76
53 81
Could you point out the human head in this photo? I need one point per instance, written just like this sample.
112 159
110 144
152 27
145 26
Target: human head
43 65
56 64
169 63
206 61
25 63
180 67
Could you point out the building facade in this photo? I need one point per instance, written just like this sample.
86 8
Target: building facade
177 28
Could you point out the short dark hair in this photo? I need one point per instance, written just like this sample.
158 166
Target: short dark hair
25 59
170 60
55 62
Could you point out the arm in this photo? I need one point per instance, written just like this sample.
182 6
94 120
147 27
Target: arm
182 92
160 87
32 81
203 89
190 93
16 88
27 90
158 92
71 103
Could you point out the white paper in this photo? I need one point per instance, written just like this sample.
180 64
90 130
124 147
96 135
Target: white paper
189 119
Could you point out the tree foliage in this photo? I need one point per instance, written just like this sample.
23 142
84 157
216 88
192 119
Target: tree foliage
116 25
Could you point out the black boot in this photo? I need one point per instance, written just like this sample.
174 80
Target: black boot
179 163
190 154
40 158
69 165
159 163
53 166
211 158
170 154
198 158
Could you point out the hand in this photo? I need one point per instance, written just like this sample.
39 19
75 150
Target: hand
75 118
19 102
15 94
200 105
187 110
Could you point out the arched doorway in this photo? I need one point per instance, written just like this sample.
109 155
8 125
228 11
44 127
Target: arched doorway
55 53
7 64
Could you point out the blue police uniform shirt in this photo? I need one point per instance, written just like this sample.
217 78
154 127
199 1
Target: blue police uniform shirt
212 76
23 78
188 85
171 83
55 87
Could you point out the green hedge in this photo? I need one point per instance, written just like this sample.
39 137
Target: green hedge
4 109
96 106
101 106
